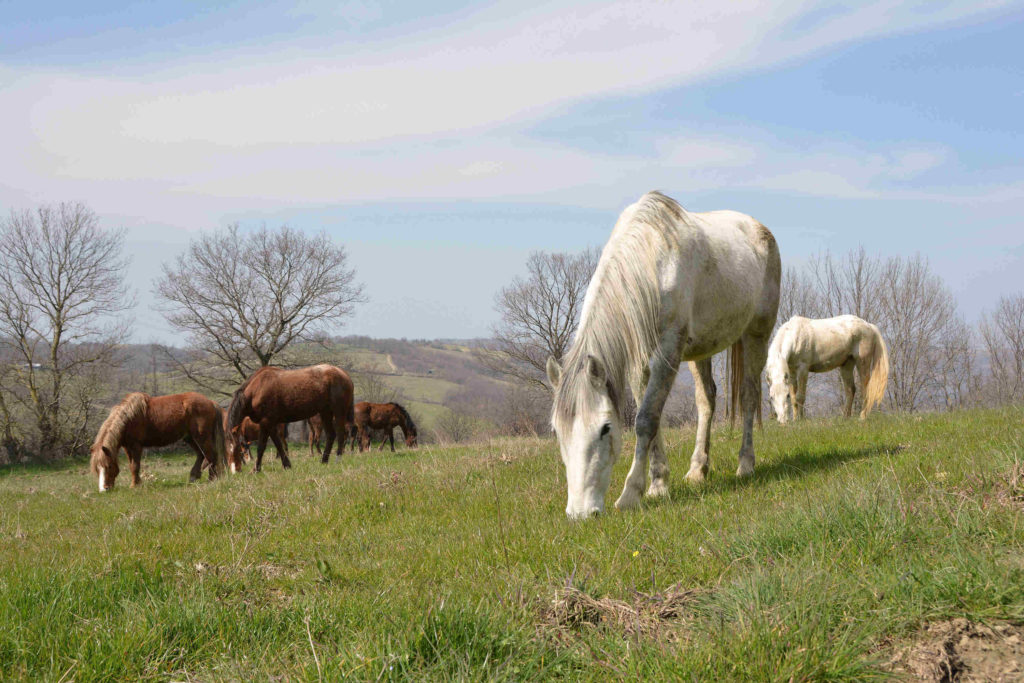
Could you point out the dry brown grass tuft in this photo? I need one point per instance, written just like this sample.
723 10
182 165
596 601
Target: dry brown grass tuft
650 615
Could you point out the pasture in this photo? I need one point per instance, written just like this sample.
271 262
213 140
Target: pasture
459 563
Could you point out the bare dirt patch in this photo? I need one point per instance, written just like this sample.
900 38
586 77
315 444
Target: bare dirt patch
960 651
646 615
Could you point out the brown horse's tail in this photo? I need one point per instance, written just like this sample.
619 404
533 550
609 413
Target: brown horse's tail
734 369
878 377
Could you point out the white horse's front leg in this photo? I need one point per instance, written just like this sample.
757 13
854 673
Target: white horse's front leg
704 392
648 421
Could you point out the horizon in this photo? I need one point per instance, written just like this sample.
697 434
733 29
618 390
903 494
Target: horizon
442 146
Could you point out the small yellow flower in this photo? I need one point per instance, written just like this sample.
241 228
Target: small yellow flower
635 553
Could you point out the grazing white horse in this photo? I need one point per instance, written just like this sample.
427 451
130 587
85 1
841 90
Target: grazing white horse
670 286
846 342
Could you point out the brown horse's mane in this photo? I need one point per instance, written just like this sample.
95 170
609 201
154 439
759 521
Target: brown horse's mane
407 416
133 406
235 410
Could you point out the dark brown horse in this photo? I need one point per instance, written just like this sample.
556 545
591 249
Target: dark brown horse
249 433
272 396
385 417
144 421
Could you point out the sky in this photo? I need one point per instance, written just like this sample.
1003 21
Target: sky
442 142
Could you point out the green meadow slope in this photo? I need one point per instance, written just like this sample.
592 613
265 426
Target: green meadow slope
458 563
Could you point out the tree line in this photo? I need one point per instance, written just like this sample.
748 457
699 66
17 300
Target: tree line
938 360
240 302
272 296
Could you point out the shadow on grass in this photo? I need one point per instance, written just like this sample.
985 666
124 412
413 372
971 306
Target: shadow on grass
799 463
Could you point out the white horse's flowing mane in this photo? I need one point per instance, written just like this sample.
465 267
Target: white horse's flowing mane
621 313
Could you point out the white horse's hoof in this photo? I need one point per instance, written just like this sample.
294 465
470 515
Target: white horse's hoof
658 489
746 468
696 475
629 500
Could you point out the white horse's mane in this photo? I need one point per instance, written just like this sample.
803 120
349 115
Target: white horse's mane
621 313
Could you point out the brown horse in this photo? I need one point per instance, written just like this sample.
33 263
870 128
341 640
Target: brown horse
249 433
384 416
144 421
272 396
315 427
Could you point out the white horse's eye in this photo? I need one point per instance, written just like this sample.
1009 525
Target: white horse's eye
605 429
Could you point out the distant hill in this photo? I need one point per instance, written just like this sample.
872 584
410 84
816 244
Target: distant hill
423 375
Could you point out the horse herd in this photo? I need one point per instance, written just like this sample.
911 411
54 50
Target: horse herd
260 410
670 286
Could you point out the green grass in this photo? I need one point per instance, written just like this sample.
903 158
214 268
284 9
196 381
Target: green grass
443 563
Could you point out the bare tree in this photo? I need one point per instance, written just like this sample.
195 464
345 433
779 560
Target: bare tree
849 285
62 294
453 426
798 296
1002 334
916 309
370 386
243 299
958 381
539 314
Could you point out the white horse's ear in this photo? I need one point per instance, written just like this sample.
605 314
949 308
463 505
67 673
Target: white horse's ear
595 370
554 371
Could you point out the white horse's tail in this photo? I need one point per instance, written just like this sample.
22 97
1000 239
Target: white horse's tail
878 377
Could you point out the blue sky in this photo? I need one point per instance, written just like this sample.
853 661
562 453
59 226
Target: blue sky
442 142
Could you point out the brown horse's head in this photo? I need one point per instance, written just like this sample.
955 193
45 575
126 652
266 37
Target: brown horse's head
235 449
104 465
408 426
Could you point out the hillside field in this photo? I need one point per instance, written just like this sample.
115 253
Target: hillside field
848 545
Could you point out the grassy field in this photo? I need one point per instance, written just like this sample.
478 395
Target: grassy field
458 563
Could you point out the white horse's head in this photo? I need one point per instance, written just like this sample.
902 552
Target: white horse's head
778 388
589 430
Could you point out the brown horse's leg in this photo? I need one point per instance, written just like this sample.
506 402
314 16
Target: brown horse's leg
282 450
261 445
341 428
197 468
209 447
328 429
314 438
134 463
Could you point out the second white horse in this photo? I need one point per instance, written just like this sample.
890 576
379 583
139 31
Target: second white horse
846 342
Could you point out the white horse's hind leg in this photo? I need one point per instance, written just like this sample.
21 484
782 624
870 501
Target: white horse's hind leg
754 353
704 391
846 372
648 439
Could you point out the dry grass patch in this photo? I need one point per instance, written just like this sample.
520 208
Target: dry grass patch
960 651
654 615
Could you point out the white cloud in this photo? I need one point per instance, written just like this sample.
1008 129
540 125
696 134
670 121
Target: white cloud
419 117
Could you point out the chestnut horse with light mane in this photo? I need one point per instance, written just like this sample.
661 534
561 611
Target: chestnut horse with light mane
250 433
384 416
144 421
272 396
